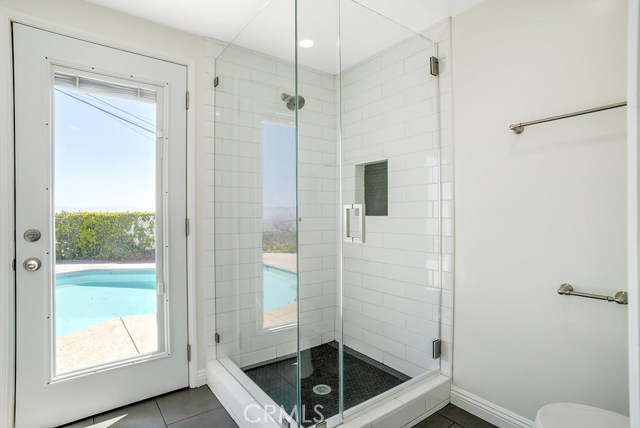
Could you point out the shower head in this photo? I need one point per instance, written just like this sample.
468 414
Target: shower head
290 100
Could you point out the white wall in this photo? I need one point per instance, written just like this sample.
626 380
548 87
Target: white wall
542 208
391 283
249 94
128 32
633 220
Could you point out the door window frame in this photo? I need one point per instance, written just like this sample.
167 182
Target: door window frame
162 227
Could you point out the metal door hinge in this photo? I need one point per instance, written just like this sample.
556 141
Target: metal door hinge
187 101
13 265
216 81
437 348
434 66
217 337
186 226
188 352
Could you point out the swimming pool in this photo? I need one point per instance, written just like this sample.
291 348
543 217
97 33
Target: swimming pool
279 287
89 297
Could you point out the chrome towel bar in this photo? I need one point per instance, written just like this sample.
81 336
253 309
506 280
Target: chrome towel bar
518 128
621 297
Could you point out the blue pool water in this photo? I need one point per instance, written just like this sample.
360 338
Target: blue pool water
279 287
90 297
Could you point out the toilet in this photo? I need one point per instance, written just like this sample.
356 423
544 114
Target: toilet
571 415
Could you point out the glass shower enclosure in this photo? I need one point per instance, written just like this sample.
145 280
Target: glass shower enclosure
328 209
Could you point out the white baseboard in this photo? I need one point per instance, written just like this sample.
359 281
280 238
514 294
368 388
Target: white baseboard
202 377
488 411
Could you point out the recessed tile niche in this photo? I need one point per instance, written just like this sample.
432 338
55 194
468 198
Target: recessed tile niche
372 187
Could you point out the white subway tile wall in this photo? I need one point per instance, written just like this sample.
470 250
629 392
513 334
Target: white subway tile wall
392 109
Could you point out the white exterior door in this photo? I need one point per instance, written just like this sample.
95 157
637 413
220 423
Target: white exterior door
100 227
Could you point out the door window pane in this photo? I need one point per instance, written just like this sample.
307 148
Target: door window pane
106 304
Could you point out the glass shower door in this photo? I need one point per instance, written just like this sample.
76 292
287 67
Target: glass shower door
391 190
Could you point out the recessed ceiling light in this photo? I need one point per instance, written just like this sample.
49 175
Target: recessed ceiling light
306 43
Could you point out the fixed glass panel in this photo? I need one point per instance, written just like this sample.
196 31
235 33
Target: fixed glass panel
256 240
107 298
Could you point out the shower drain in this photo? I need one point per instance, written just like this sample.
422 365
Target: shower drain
322 389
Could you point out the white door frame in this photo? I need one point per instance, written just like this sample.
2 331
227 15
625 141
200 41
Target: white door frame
7 205
633 209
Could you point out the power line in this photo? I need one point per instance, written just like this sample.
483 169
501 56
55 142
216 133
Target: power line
143 134
122 110
118 119
151 131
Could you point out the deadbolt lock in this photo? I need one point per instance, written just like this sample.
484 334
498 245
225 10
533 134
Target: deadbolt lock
32 264
32 235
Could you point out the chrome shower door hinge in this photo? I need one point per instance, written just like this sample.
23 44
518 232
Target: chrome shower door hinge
216 81
186 101
437 349
188 352
434 66
217 337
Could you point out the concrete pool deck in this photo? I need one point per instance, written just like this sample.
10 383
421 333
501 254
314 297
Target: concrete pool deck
112 340
283 315
286 261
67 267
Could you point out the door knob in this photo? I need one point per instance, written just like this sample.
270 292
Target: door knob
32 264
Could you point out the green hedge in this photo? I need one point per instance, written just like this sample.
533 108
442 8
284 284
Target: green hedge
109 236
279 241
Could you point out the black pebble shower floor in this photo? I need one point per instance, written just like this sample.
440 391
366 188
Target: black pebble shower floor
364 378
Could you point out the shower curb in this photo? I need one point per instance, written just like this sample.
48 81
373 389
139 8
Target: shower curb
403 410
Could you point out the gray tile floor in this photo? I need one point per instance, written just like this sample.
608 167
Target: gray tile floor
187 408
199 408
453 417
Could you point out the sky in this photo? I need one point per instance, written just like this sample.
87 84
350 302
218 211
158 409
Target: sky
278 166
103 163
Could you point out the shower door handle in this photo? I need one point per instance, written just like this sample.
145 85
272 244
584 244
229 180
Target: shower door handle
359 211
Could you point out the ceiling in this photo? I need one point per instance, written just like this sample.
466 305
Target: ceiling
365 27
